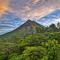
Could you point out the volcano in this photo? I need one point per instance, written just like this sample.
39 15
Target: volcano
29 27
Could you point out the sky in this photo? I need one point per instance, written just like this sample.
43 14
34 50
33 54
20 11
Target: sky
29 9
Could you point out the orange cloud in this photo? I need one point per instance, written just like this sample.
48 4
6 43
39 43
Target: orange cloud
2 9
3 6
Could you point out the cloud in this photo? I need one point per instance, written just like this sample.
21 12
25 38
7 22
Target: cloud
35 1
33 8
4 6
38 13
28 13
29 8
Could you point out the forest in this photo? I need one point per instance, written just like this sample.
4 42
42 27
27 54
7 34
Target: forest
44 44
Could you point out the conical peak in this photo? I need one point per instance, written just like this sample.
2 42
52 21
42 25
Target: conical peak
29 20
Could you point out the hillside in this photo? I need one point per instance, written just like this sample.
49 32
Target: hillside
29 27
29 40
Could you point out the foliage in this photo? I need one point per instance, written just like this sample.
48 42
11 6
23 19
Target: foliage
42 45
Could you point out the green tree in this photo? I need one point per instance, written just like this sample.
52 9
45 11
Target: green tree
52 47
52 28
34 53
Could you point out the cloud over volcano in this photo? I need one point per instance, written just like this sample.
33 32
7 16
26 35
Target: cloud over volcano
33 9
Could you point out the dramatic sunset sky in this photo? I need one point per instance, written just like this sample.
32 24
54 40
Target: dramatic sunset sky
13 12
32 9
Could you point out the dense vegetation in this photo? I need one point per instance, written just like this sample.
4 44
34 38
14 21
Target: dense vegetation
42 45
